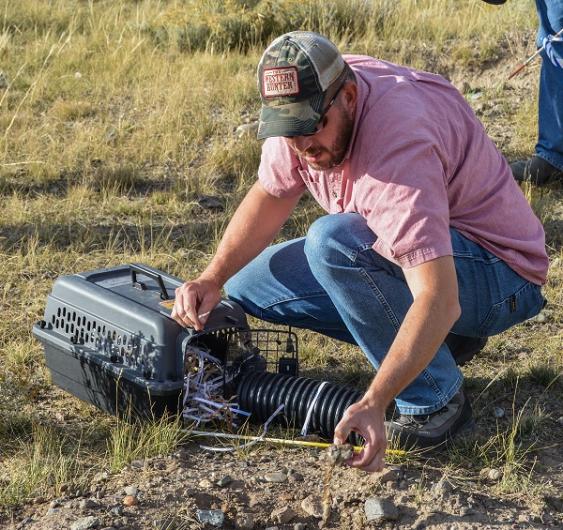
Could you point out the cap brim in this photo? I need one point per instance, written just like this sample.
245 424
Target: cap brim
291 119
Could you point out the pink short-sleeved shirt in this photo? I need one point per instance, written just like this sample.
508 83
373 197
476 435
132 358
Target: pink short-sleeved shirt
419 162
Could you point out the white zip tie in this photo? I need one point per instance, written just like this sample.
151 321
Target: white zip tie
310 409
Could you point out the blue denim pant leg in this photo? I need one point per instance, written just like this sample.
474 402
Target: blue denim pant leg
550 105
334 283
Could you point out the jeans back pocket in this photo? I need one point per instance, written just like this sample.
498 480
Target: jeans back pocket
525 303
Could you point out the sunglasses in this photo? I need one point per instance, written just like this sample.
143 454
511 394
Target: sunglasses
322 120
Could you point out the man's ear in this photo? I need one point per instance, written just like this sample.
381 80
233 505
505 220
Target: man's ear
350 95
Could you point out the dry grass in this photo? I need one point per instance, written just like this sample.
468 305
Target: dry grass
118 115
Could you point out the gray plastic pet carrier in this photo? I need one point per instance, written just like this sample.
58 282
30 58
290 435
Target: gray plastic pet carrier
109 339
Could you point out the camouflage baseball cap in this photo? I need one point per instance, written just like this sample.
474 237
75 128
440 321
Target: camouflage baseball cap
298 72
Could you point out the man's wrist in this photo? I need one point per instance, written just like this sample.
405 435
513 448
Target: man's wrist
209 276
376 399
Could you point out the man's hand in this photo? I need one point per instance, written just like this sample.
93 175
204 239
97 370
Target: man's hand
194 301
367 420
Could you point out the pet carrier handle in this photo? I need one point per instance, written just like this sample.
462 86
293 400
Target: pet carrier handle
152 275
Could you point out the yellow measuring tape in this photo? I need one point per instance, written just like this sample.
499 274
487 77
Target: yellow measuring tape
280 441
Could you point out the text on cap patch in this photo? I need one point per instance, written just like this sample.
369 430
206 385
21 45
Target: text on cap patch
278 82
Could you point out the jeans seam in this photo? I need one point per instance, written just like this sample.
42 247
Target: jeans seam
381 298
353 256
292 299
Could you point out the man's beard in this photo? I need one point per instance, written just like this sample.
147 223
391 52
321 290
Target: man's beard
339 147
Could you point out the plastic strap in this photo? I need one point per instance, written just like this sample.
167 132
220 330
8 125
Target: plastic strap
305 427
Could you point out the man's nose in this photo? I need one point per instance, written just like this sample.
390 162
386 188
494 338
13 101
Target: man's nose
302 143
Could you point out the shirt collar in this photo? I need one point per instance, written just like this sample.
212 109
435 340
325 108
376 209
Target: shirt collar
363 90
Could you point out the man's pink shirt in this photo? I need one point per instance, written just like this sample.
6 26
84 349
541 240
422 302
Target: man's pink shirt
419 162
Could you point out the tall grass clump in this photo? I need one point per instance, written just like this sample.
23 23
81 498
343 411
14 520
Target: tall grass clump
40 466
136 441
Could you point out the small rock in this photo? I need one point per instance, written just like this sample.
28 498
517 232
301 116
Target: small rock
54 503
102 476
498 412
300 526
246 129
389 474
205 484
283 515
442 488
484 473
338 454
53 511
111 137
209 202
117 510
77 75
465 511
212 517
87 504
524 518
276 477
560 420
253 500
244 521
4 81
540 318
224 481
494 474
312 505
271 528
85 523
295 477
131 490
130 500
378 509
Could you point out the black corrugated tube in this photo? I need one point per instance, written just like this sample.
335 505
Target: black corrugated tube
261 393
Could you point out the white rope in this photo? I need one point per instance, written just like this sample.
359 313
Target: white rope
305 427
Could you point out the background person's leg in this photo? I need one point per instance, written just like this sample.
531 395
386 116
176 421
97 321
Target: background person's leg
550 119
548 163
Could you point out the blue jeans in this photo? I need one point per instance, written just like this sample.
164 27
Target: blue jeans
333 282
550 107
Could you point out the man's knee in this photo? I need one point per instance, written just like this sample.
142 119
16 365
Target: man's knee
236 286
326 236
336 238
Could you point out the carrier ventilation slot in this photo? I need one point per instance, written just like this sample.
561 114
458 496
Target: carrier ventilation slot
80 329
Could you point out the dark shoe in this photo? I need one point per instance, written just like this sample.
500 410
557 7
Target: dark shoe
428 430
535 170
495 2
464 348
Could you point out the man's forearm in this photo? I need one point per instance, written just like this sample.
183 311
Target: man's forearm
423 330
252 228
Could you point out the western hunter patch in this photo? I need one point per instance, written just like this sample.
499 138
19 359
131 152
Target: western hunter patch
279 82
